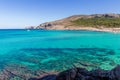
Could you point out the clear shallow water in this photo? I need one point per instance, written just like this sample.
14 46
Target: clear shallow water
58 50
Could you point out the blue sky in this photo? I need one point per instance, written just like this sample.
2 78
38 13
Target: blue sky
21 13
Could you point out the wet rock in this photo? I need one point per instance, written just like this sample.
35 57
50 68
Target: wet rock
49 77
83 74
114 74
67 75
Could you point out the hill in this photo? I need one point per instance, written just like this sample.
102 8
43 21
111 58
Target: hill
78 22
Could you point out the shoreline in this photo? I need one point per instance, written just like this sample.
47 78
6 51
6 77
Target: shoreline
113 30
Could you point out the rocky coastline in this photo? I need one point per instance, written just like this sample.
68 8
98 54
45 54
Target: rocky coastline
83 74
113 30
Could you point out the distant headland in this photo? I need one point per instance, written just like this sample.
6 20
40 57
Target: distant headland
95 22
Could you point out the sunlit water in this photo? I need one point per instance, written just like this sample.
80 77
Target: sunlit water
59 50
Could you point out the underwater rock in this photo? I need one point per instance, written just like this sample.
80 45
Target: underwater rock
48 77
83 74
114 74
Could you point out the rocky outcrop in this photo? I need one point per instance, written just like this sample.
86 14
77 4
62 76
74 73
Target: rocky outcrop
44 26
83 74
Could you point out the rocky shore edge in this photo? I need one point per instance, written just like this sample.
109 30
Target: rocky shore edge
83 74
113 30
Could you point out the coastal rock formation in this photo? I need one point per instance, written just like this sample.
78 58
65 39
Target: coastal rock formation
83 74
73 23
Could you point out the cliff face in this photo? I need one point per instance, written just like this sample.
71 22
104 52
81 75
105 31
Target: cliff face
68 23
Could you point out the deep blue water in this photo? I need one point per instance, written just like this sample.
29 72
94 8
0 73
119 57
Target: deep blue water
59 50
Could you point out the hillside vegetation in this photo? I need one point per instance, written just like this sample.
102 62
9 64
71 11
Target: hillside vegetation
96 22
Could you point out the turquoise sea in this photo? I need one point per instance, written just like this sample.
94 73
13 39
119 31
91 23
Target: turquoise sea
51 50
